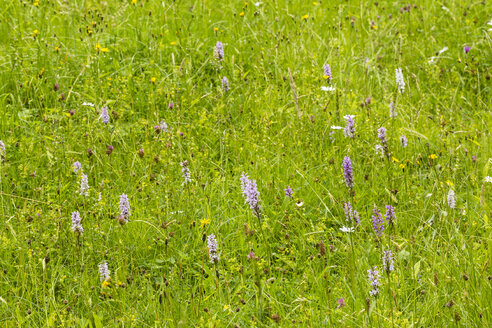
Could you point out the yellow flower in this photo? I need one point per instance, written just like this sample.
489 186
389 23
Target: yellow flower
245 3
104 49
241 13
315 3
57 49
216 29
98 47
36 3
433 156
173 43
305 16
395 159
402 166
152 80
326 77
106 284
35 33
134 2
449 183
204 222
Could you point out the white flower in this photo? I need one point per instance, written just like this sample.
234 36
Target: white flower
488 179
329 88
345 229
443 50
299 204
445 9
399 80
87 104
451 199
379 149
334 127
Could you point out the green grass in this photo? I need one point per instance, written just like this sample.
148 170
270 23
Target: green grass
136 59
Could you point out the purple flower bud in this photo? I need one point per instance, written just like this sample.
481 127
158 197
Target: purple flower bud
212 249
109 150
288 192
104 115
171 105
56 87
219 51
388 262
225 84
349 130
327 73
250 192
466 49
340 302
76 223
104 271
377 222
77 167
374 281
125 210
390 214
347 172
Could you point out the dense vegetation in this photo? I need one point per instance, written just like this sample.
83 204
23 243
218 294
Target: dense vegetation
239 164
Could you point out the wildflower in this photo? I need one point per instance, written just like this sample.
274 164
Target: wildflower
219 51
374 281
225 84
347 172
105 115
487 179
250 192
377 222
141 152
186 172
171 105
451 199
77 167
288 192
109 150
328 88
392 109
345 229
383 142
204 222
76 222
404 141
349 130
340 302
388 262
84 185
104 271
466 49
87 104
212 249
327 73
162 127
56 87
350 213
251 255
2 149
125 210
399 80
390 214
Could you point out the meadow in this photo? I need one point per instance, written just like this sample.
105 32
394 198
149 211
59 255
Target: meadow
245 164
